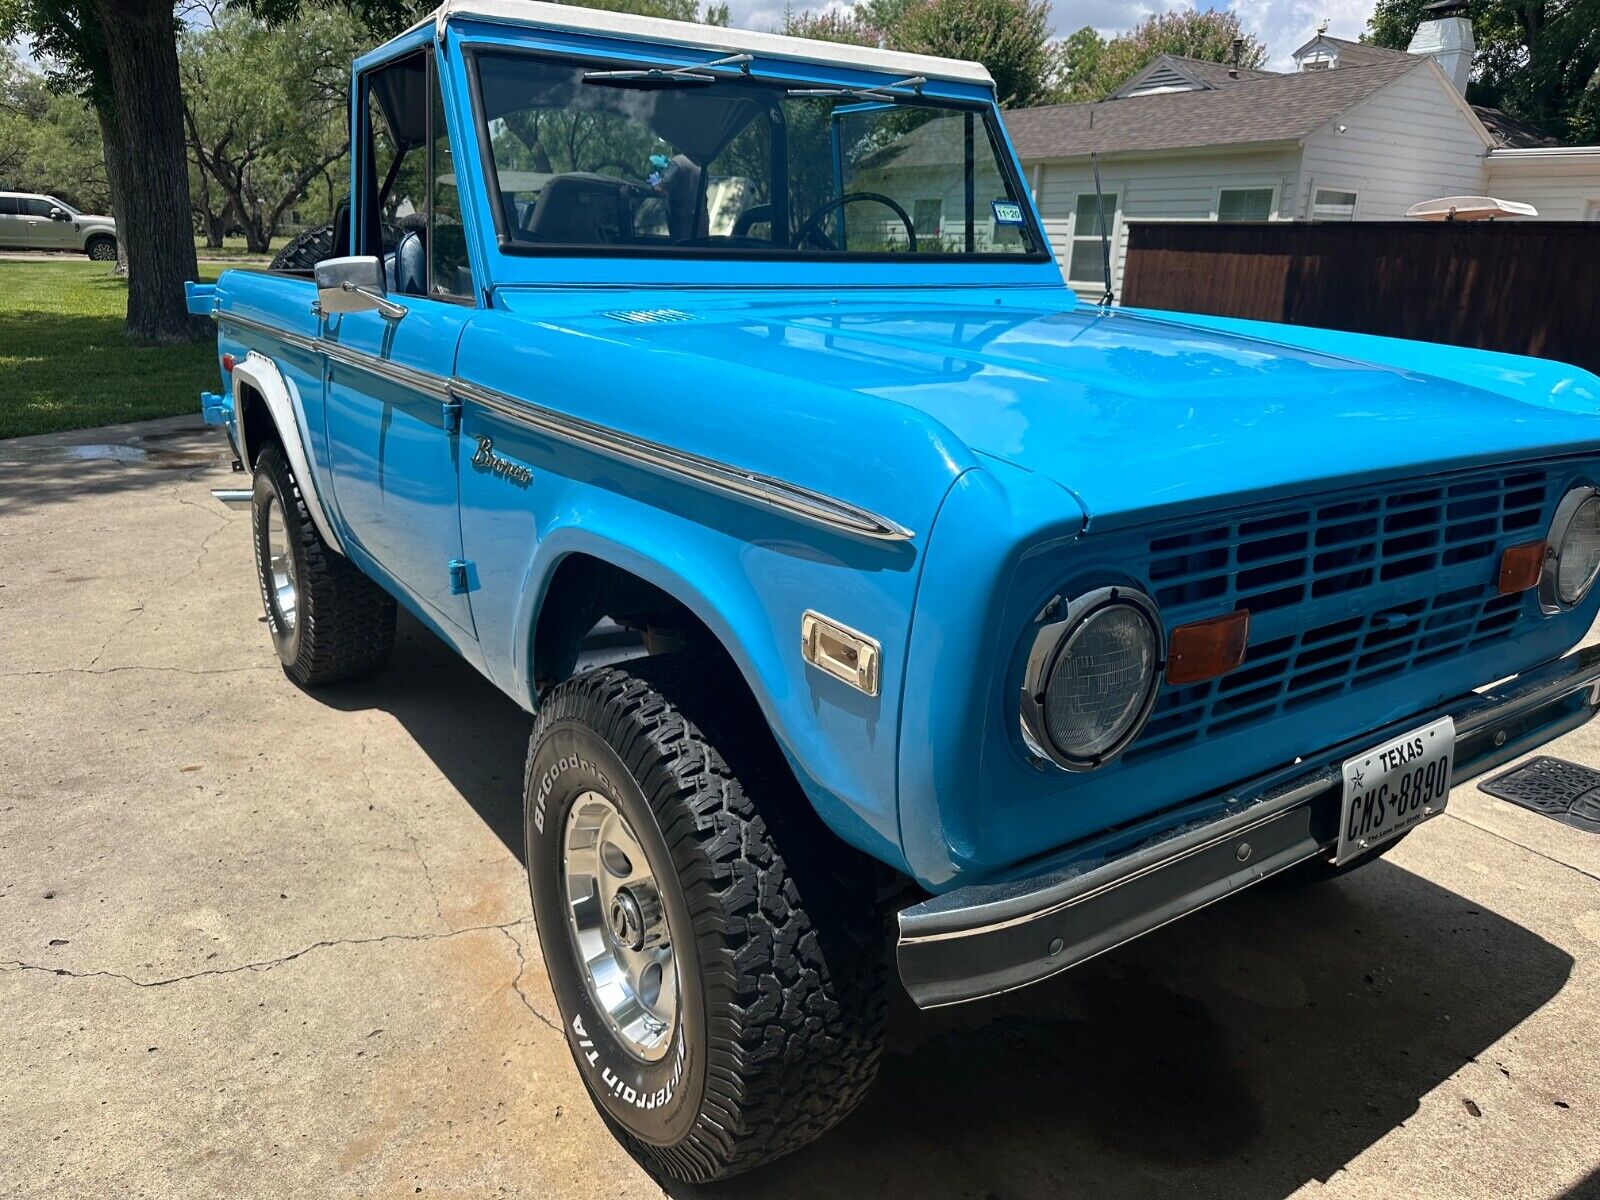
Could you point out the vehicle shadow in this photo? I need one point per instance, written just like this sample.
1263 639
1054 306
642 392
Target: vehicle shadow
1241 1053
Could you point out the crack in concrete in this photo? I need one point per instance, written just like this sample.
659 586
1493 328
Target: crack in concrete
134 667
199 560
1494 833
261 965
115 634
405 830
516 983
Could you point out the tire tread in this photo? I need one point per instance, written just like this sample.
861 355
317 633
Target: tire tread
794 978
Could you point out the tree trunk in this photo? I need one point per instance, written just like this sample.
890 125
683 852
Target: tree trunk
216 226
258 233
148 167
107 124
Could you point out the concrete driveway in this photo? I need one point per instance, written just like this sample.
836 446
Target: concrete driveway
258 942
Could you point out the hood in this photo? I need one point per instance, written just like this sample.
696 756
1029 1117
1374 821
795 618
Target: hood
93 219
1132 413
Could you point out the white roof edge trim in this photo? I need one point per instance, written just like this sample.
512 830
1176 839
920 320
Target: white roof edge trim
1536 152
573 19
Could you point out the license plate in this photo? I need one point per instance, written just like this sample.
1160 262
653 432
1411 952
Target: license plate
1391 787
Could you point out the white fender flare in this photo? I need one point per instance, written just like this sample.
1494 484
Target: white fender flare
258 371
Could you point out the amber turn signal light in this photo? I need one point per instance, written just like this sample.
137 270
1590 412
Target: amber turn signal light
1203 650
1520 567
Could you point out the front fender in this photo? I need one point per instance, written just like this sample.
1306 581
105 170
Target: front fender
840 743
748 577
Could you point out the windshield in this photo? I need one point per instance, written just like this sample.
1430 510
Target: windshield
589 157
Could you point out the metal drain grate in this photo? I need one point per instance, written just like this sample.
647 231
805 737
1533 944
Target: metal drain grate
1563 790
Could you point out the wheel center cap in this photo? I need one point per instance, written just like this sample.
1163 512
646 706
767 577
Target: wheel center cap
627 922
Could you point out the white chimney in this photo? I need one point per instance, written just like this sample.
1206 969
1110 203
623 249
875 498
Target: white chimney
1447 35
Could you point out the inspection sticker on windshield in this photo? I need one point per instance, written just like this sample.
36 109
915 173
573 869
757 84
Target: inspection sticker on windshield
1391 787
1007 212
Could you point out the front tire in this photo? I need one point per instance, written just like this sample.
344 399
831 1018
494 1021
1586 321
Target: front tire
101 249
329 622
768 1029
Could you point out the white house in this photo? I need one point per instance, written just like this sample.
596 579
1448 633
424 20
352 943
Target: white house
1356 132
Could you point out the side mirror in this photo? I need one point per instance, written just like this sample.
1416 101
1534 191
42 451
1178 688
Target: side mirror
355 284
57 215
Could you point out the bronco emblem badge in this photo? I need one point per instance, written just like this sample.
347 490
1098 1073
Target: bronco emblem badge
496 464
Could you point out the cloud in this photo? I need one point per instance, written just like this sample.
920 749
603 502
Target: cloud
1283 25
1286 25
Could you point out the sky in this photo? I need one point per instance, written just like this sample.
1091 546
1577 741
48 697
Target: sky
1283 25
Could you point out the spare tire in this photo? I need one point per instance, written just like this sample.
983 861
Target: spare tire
305 250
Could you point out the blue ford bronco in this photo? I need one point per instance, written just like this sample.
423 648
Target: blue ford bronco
976 631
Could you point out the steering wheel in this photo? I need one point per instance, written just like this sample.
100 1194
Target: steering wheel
811 227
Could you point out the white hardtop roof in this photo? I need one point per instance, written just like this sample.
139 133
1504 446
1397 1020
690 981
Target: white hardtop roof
1469 208
571 18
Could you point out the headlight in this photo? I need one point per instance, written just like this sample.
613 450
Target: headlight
1574 551
1091 678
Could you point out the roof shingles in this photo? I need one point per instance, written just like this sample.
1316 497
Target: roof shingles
1271 108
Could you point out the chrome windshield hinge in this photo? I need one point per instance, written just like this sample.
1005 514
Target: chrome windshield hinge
450 411
463 574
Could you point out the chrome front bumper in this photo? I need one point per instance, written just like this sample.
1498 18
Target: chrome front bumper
989 938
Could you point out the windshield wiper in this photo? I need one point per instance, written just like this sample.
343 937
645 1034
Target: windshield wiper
882 95
655 77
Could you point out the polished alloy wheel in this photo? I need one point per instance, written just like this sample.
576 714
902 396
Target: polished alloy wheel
280 565
619 927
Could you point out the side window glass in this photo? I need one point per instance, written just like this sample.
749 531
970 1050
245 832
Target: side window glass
450 273
394 221
38 207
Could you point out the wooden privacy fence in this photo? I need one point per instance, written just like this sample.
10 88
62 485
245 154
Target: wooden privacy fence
1526 287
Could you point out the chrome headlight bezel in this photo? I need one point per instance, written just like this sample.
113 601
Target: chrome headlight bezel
1055 626
1551 601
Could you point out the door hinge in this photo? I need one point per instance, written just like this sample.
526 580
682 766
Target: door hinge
462 574
451 411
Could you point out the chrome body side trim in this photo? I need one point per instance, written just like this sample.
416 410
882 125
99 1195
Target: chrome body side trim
251 325
825 511
836 515
985 939
425 382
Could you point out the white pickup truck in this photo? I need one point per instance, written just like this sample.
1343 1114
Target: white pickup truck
33 221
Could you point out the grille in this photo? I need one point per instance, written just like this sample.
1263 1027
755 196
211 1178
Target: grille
1343 591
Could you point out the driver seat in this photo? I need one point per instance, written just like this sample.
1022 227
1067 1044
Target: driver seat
579 210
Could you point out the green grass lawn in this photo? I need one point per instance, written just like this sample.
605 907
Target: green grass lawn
64 363
234 247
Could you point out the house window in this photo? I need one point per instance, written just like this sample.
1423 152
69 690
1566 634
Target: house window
928 216
1086 264
1244 204
1333 204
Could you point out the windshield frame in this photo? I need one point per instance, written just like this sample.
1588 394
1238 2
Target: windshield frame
985 112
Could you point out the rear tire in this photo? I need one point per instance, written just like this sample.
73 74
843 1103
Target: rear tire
775 937
329 622
101 249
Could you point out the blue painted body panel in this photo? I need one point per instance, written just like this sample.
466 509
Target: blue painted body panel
1031 445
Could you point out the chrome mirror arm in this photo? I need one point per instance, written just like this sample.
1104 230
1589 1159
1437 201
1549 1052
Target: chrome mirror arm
387 308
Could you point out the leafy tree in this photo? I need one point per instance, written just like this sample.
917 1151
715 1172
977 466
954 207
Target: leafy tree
1088 67
671 10
1538 59
122 57
1010 37
48 142
265 114
845 25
